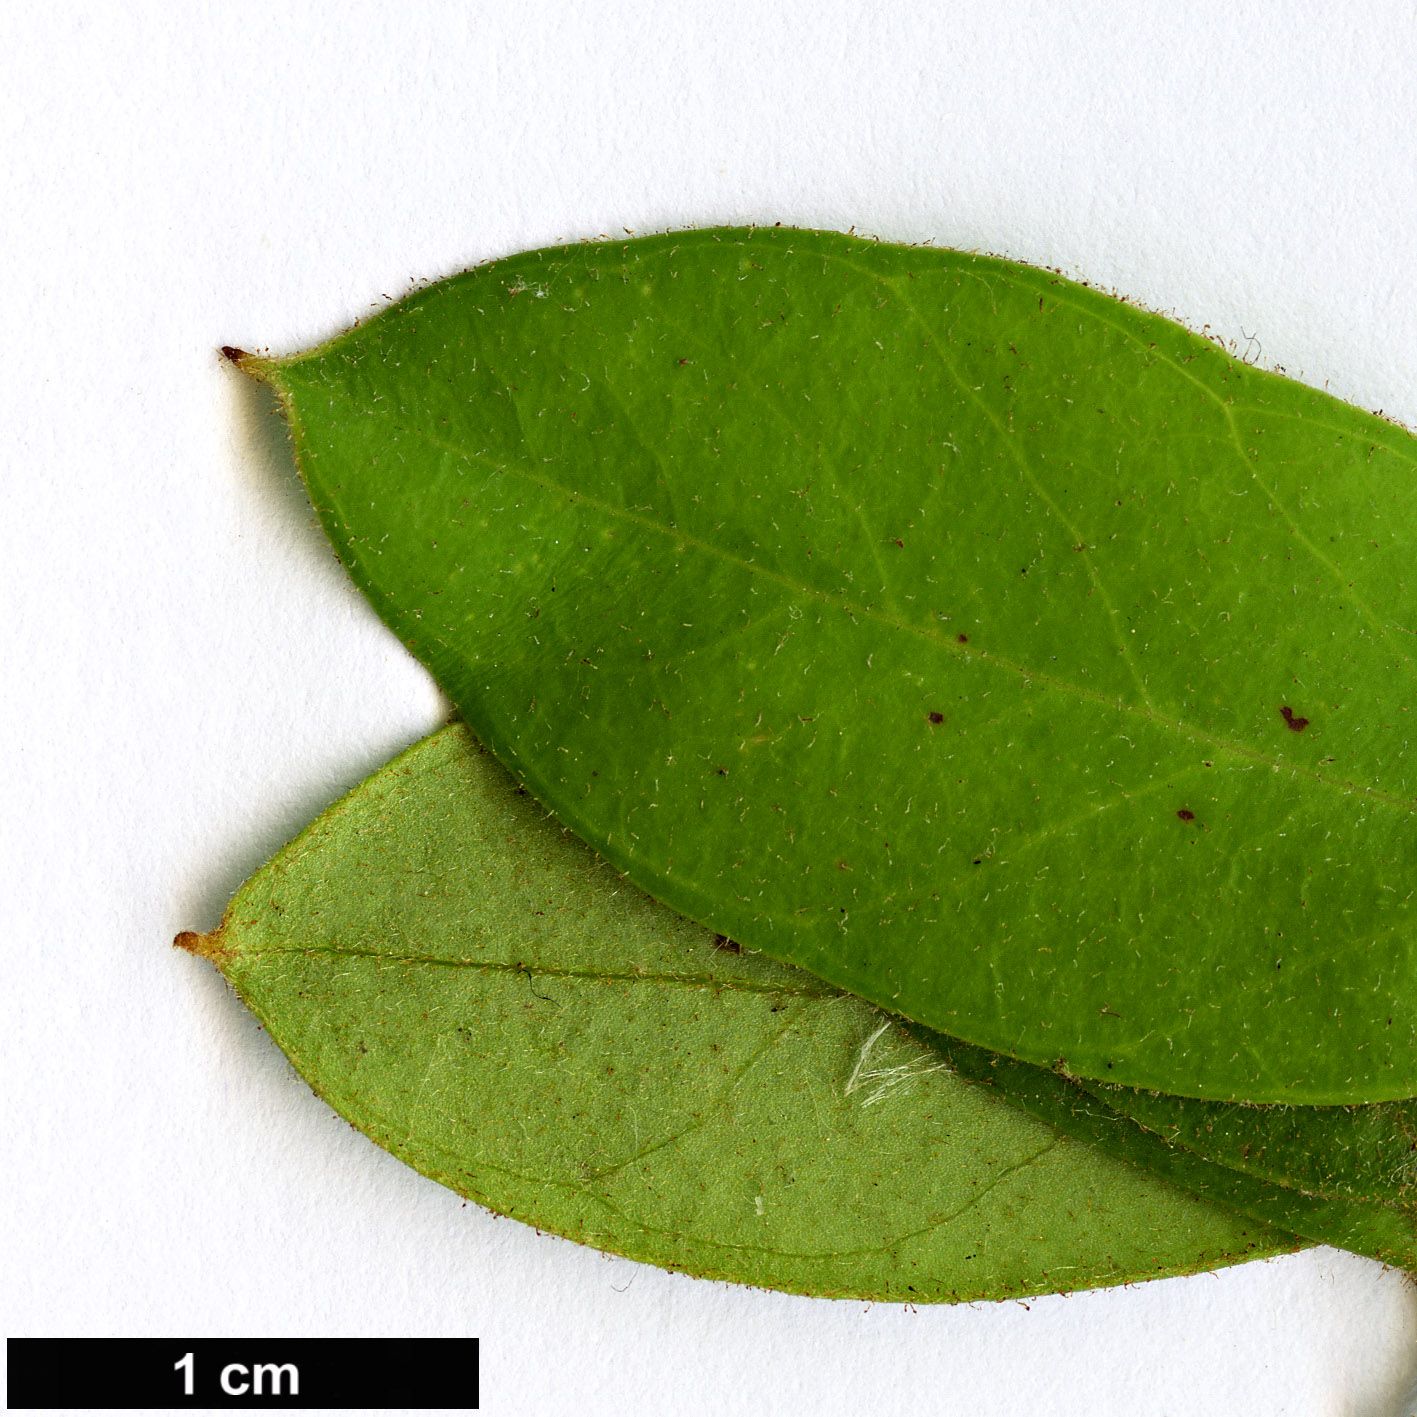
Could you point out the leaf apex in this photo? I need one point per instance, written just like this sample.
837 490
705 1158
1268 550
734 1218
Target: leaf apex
211 947
257 366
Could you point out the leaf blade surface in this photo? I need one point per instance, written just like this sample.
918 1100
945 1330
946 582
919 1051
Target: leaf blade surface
1000 653
472 988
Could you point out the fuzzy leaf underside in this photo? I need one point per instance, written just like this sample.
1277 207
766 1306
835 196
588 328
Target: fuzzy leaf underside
474 989
1003 654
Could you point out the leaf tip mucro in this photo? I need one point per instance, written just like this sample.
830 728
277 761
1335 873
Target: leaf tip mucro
256 365
211 947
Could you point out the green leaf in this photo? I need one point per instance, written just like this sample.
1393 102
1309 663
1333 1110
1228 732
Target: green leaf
470 986
1382 1230
992 649
1364 1152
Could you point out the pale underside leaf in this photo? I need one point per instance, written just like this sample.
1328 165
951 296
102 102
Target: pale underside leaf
474 989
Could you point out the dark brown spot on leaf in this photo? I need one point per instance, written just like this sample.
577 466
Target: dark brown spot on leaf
1186 815
937 718
1296 724
962 639
722 942
230 351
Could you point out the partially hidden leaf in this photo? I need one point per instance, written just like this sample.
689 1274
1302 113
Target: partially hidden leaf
1363 1152
992 649
471 987
1381 1229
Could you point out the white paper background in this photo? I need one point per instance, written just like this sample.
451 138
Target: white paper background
188 676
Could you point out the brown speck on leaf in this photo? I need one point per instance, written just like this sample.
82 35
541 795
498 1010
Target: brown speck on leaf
937 718
962 639
230 351
1186 815
1296 724
722 942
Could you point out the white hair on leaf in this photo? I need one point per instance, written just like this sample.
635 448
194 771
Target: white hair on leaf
886 1080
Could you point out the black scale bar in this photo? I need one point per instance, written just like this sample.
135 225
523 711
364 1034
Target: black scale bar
150 1374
